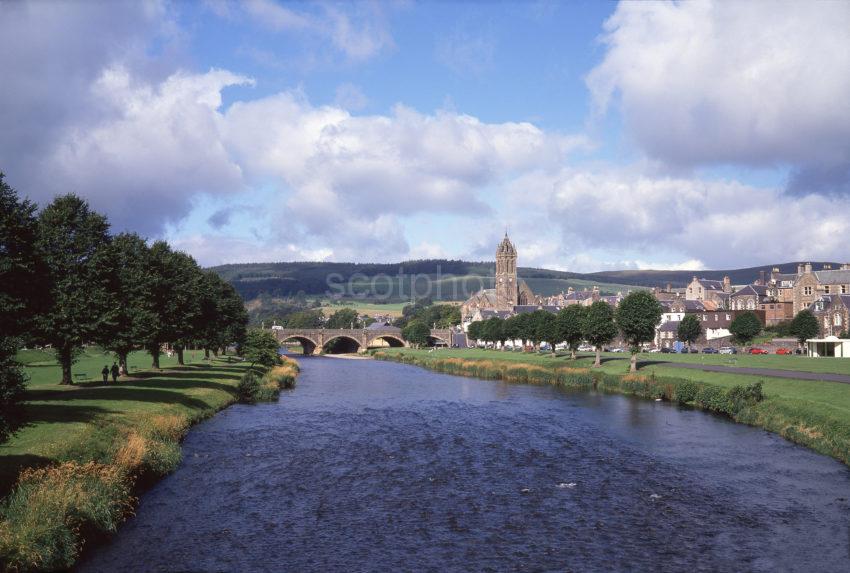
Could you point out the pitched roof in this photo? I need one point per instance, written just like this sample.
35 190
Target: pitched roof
751 290
709 284
834 277
669 326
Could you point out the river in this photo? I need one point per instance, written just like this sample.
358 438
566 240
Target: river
377 466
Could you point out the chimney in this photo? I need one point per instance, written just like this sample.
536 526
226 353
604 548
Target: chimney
695 278
808 267
727 284
669 287
761 278
800 268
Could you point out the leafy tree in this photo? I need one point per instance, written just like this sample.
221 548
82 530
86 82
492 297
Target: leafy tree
636 317
261 347
222 318
473 331
24 290
12 381
23 293
745 327
175 298
493 330
549 330
344 318
598 327
570 322
511 330
536 326
804 326
304 319
129 285
74 242
416 332
690 329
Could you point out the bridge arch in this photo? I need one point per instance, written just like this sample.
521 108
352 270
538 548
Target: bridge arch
436 340
343 341
308 345
395 341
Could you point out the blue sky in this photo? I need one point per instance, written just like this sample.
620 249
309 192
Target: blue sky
603 135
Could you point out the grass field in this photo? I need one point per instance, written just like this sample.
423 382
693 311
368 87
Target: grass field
833 397
86 447
75 422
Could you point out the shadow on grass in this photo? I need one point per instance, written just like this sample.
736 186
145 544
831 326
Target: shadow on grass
146 391
185 374
11 466
61 412
642 363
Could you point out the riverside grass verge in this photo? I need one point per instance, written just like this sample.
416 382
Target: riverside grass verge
90 449
800 417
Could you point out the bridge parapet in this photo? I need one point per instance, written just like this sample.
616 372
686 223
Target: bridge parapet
314 339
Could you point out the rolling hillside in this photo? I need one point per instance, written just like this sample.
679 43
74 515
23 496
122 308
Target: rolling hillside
446 279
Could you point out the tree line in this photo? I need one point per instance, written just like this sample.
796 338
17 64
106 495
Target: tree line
599 324
65 281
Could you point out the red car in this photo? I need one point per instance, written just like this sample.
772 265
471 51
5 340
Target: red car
758 351
783 351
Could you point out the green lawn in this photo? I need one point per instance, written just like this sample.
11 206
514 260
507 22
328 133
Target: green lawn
831 395
83 422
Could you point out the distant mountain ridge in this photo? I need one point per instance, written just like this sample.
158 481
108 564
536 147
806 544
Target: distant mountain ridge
452 279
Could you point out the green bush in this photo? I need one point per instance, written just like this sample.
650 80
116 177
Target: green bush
740 397
249 388
713 398
686 391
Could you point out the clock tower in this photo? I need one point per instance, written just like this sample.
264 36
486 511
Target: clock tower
507 291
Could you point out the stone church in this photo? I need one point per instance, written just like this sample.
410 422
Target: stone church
510 291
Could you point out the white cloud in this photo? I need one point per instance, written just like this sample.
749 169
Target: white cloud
712 223
754 83
350 97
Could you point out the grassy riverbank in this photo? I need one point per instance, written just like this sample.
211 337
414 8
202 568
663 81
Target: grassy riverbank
87 448
812 413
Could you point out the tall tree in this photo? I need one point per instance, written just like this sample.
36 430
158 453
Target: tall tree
130 286
493 330
804 326
473 331
571 326
535 326
599 328
175 298
690 329
24 281
549 330
416 332
636 317
745 327
344 318
512 329
74 242
23 293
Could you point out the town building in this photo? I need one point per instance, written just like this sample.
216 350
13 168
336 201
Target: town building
710 290
807 285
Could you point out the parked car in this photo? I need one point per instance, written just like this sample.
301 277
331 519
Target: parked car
728 350
617 350
756 350
666 350
694 351
784 351
654 350
586 348
709 350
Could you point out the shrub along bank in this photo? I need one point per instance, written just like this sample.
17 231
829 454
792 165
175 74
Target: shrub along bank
264 385
80 485
812 424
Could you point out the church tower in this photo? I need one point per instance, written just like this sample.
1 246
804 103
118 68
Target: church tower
507 292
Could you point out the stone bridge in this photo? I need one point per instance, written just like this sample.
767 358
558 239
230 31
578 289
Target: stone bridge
313 340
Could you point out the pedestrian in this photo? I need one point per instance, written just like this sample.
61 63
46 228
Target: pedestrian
115 372
105 373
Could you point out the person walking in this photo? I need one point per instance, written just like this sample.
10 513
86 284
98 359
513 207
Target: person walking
105 373
115 372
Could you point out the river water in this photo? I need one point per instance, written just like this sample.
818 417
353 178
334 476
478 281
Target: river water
376 466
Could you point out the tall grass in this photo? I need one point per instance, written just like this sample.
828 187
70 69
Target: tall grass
814 425
265 386
52 511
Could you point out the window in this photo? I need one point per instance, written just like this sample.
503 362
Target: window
728 317
837 319
716 318
807 290
704 318
826 289
845 289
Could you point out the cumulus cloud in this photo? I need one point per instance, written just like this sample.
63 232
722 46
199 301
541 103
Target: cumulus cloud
712 222
753 83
